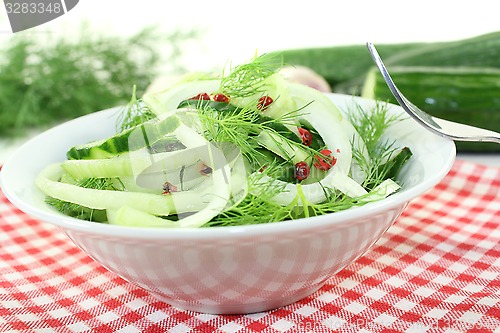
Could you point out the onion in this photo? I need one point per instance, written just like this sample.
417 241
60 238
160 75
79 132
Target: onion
306 76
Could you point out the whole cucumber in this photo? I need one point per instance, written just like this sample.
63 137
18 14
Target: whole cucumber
344 67
339 63
479 51
470 95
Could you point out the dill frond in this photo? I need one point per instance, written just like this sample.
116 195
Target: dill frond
247 79
385 158
372 124
134 113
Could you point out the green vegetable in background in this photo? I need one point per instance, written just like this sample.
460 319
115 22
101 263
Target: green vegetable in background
345 67
341 64
44 82
470 95
455 80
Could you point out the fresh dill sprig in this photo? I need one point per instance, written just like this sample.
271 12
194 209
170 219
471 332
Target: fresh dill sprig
384 157
236 126
372 124
374 167
134 113
247 79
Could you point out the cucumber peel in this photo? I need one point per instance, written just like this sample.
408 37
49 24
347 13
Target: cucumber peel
140 136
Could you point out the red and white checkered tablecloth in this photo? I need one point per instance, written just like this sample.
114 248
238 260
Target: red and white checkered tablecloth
437 269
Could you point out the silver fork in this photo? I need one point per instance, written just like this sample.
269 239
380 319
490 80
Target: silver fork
445 128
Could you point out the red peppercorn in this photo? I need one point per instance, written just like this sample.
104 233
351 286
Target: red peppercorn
325 164
201 96
301 170
264 102
221 98
306 136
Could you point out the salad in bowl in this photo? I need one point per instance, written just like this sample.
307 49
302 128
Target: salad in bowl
232 193
247 147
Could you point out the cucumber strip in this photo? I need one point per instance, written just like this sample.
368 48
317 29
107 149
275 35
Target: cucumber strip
190 138
131 217
115 166
135 138
314 192
178 202
169 100
278 145
277 87
286 130
130 184
130 164
347 185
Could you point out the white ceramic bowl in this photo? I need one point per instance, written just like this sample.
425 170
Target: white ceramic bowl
239 269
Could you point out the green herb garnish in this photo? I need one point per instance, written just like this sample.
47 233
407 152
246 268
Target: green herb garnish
247 79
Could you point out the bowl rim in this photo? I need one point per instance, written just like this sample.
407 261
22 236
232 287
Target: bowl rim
65 222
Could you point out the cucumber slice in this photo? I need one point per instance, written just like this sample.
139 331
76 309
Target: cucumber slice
347 185
131 217
179 202
141 136
281 147
130 164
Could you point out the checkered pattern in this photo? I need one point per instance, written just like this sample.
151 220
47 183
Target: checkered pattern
437 269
